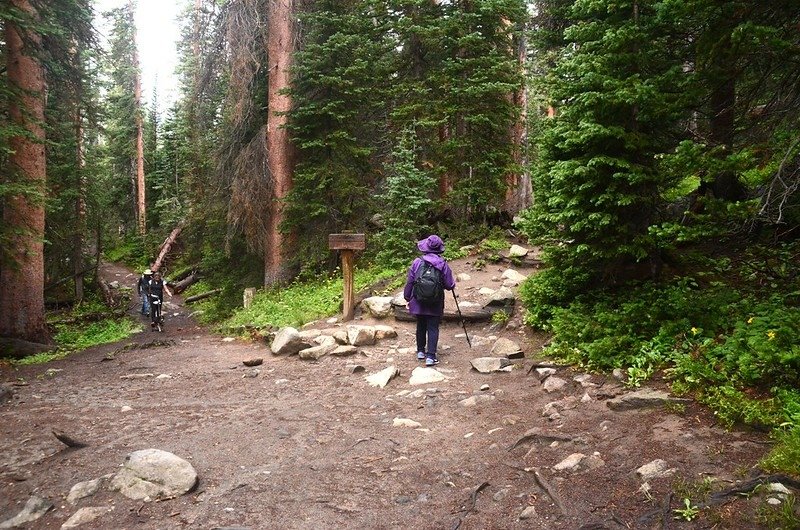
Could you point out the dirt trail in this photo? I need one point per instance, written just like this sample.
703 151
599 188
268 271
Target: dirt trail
308 445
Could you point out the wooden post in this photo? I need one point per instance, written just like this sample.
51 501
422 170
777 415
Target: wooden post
347 244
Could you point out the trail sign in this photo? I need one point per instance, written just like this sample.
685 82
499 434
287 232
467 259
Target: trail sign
347 244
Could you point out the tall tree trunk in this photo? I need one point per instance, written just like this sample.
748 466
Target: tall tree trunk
22 295
140 190
518 185
280 46
80 205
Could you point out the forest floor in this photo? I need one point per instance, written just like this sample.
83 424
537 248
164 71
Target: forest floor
299 444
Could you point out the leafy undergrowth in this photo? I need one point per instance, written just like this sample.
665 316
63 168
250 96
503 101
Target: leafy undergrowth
302 302
729 334
72 332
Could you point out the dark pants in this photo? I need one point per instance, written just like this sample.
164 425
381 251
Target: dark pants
155 309
428 326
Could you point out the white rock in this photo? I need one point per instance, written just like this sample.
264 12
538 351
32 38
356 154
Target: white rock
463 277
85 515
586 398
399 300
505 348
773 501
655 469
528 513
517 251
777 487
154 474
484 387
545 372
378 306
485 291
405 422
324 340
163 376
487 365
344 351
513 276
84 489
332 320
317 352
423 376
570 463
126 408
382 378
228 339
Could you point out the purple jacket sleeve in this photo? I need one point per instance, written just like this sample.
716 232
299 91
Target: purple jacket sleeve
449 282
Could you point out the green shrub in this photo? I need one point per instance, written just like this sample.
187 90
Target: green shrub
785 456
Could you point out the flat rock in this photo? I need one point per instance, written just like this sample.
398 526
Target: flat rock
382 378
512 278
505 348
360 335
405 422
502 297
344 351
33 510
543 373
399 300
385 332
528 513
316 353
423 376
463 277
571 463
645 398
378 306
287 341
554 384
487 365
486 291
475 400
340 336
655 469
85 515
81 490
154 474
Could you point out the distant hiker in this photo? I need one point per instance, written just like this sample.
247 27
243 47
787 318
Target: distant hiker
428 277
141 288
155 290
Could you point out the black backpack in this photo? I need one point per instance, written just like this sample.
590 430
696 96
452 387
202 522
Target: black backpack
428 288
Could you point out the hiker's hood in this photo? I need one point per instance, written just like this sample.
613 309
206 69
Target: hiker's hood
432 244
435 259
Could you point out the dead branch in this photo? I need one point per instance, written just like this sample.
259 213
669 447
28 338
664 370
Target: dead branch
166 246
68 440
202 296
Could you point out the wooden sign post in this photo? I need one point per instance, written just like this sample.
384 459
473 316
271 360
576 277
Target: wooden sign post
347 244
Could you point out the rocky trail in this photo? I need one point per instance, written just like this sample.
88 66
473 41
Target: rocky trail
360 435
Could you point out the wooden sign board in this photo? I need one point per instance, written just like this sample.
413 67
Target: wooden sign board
347 241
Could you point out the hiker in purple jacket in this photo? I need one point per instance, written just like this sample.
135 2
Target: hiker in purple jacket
429 315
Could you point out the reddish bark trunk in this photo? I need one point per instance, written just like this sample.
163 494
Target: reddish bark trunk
141 210
22 306
80 206
280 47
518 185
166 246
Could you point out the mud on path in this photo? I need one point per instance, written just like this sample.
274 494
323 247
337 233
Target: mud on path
308 445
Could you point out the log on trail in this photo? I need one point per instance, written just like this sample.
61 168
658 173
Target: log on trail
179 286
182 274
18 348
201 296
166 246
470 315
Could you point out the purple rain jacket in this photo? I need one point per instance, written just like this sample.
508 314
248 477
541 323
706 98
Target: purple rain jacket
447 277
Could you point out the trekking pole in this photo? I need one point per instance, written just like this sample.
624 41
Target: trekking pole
463 324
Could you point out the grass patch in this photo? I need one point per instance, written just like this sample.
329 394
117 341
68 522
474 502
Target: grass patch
785 456
299 303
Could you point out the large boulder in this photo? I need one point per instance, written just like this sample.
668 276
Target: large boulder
517 251
288 341
378 306
152 474
360 335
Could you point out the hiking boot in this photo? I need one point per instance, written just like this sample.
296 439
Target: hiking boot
431 360
420 355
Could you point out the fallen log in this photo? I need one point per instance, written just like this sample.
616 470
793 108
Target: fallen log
470 315
182 274
67 278
179 286
163 250
201 296
18 348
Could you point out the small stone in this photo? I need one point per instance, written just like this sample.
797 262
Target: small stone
251 374
492 431
344 351
528 513
136 376
228 339
570 463
474 400
469 435
253 362
405 422
163 376
463 277
35 508
486 291
773 501
281 381
385 332
484 387
655 469
355 368
618 374
777 487
510 419
553 384
500 495
126 408
586 398
403 499
487 365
